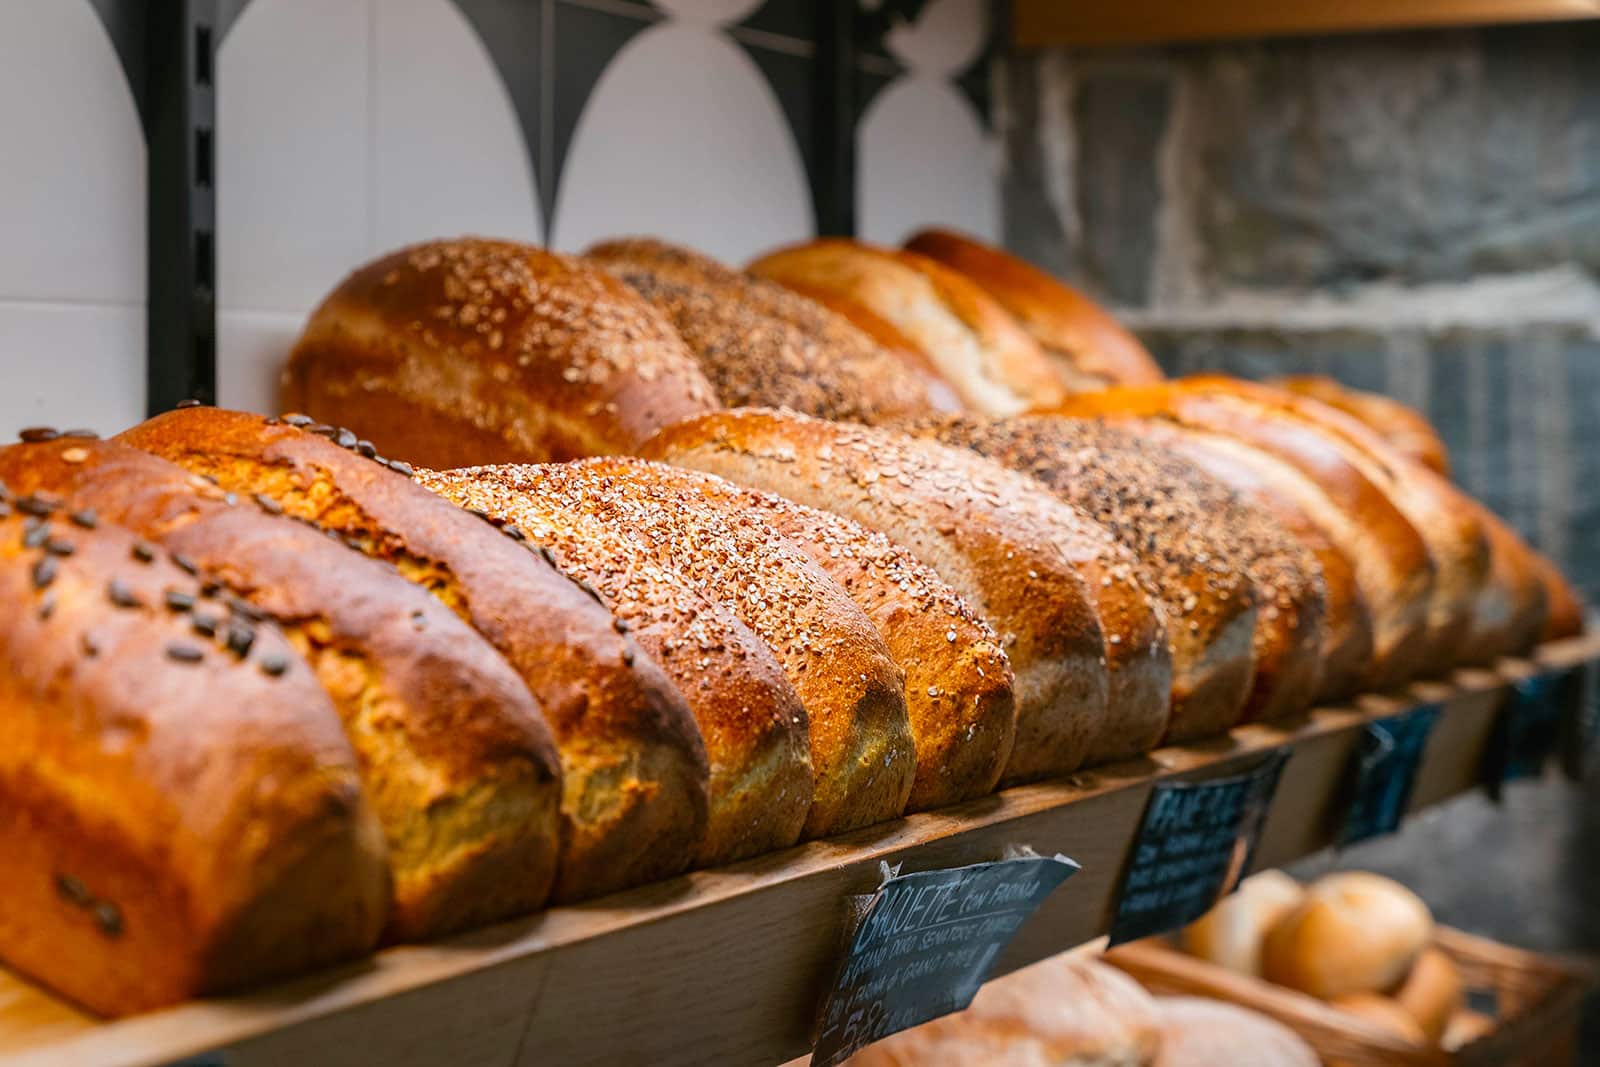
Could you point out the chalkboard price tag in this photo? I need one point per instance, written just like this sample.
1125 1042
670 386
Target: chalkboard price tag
1537 710
1194 844
1384 773
926 943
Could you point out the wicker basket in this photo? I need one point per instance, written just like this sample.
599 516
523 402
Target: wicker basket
1536 1005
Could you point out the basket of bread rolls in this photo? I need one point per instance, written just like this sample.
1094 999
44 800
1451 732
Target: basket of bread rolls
1355 964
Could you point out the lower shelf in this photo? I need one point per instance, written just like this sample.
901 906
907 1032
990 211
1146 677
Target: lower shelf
727 966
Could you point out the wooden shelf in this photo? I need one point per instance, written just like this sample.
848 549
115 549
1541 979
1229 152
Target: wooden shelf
726 966
1047 23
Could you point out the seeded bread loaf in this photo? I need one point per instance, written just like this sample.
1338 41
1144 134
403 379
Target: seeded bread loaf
455 756
1403 427
1226 575
995 537
632 758
177 817
990 361
958 683
1088 348
756 736
760 343
477 351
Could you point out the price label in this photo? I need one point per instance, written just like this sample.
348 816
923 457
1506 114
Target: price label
1538 709
1384 772
1194 844
927 942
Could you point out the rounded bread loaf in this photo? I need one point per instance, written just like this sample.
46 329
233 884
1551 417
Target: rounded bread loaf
478 351
759 343
1512 609
1305 513
990 361
1432 992
178 818
633 765
455 756
997 538
1354 932
1063 1011
1392 561
1383 1013
863 758
958 682
1087 346
1405 428
756 736
1197 1032
1564 608
1231 934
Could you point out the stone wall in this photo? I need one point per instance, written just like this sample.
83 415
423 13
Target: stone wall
1416 213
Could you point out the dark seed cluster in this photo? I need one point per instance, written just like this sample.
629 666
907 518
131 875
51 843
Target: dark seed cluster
107 916
345 439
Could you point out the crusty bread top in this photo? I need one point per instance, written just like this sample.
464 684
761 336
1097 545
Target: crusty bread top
552 357
1403 427
992 363
760 343
1090 348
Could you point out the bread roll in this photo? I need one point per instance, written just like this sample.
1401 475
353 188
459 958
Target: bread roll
958 684
754 725
992 363
760 343
1354 932
1465 1027
477 351
177 818
1382 1012
1432 993
862 754
454 754
1403 427
1088 348
1063 1012
1007 546
1210 1033
1243 601
631 755
1392 561
1305 514
1230 935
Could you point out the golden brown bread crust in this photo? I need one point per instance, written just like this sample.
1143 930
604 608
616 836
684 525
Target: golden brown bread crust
959 696
760 343
991 534
862 755
627 740
1088 347
992 363
753 723
479 351
1392 561
1513 606
1439 512
1403 427
1305 513
455 756
1236 589
1200 1032
177 819
1563 603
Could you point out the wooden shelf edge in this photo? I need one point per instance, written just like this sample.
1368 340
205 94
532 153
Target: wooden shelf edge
1052 23
727 965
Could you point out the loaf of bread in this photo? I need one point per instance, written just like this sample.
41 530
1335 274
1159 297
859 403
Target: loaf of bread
1382 1013
1196 1032
959 696
1403 427
1512 608
1432 993
993 535
1231 934
632 758
1088 347
862 754
455 756
1354 932
1063 1011
1564 608
1243 601
990 361
762 344
1305 514
179 815
1391 559
477 351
